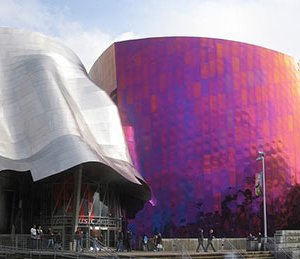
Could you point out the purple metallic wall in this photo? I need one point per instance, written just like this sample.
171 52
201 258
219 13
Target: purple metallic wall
195 112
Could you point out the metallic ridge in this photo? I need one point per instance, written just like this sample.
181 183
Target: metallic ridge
52 116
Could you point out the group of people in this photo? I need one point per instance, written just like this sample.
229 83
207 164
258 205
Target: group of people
155 243
124 242
258 240
209 240
50 240
39 238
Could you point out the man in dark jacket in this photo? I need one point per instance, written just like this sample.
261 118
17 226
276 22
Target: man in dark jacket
128 240
200 240
210 239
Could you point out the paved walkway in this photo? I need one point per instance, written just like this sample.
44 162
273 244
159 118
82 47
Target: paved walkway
155 254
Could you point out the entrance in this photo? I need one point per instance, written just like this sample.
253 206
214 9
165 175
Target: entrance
105 228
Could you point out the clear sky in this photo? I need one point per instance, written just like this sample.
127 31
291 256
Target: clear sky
88 27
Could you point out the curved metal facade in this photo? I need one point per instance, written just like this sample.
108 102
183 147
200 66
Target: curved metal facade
198 111
52 116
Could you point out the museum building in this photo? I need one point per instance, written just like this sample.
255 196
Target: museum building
64 160
195 112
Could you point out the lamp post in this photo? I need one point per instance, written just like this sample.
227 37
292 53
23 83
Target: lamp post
262 158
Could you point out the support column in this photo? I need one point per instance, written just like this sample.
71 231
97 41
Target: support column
77 194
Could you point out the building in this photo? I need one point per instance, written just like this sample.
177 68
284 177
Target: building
63 157
195 113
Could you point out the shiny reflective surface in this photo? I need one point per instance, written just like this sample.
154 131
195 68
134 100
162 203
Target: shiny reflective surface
196 111
52 116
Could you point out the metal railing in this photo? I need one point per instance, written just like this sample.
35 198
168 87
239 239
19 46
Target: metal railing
233 253
280 252
24 242
22 246
101 250
184 251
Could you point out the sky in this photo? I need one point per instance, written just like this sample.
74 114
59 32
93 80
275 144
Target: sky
88 27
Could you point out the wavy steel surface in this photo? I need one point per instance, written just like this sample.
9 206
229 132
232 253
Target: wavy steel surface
52 116
200 109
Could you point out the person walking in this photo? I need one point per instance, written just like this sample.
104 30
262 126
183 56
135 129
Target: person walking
200 240
210 239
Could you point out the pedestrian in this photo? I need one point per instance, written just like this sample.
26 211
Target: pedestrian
33 236
159 245
209 240
58 242
154 240
79 239
40 237
50 235
120 240
200 240
128 240
94 239
145 242
259 239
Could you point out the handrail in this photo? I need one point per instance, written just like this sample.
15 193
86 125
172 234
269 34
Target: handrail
108 251
276 249
66 254
234 250
184 252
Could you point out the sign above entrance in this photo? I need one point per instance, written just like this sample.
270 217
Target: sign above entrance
100 221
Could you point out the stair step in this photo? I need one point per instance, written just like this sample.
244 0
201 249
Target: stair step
246 255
